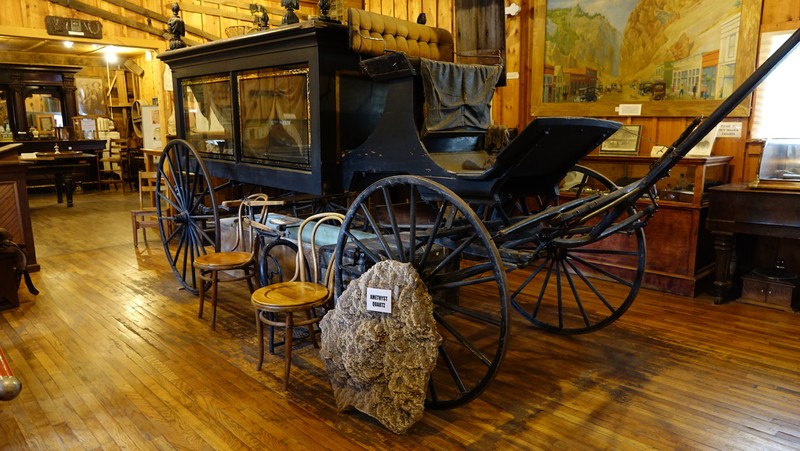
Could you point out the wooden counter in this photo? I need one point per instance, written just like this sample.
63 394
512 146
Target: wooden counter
15 214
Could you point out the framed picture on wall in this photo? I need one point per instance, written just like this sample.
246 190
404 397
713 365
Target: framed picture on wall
682 59
624 141
90 96
45 123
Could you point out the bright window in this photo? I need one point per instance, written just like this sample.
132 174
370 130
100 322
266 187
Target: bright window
777 99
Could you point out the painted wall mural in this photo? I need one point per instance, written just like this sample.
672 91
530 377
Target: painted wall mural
625 51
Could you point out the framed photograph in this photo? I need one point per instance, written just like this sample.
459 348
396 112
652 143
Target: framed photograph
45 123
90 96
682 59
624 141
704 147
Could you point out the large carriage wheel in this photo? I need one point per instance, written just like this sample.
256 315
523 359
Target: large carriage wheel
568 291
188 219
431 227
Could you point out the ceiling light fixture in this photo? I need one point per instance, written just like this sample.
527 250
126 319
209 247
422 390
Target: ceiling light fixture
110 54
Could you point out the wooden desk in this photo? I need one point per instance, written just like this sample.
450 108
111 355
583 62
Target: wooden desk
151 157
735 209
62 166
91 146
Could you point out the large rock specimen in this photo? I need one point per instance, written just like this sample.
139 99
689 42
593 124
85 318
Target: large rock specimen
379 363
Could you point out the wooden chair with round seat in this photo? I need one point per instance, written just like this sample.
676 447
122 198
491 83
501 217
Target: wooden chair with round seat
275 305
241 258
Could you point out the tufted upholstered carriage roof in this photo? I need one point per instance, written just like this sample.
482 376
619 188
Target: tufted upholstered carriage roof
371 34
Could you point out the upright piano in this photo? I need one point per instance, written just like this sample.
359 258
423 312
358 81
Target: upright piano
737 216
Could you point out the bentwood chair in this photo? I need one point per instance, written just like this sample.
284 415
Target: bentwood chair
238 263
276 304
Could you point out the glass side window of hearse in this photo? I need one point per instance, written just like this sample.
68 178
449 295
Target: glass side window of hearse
208 117
274 116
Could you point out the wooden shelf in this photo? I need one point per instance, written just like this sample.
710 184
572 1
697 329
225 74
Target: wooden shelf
679 249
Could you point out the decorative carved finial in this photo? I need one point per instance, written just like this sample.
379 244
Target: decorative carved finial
176 28
261 18
324 9
290 17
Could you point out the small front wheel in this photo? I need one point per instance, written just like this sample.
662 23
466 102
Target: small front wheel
574 289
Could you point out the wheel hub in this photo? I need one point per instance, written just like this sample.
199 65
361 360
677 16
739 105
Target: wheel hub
182 218
557 253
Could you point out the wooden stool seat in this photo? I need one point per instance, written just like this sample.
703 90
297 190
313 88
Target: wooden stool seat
222 261
289 296
276 304
210 265
208 268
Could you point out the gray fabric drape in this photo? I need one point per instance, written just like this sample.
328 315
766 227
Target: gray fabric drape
458 96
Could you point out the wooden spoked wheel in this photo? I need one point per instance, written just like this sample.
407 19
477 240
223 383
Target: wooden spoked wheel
413 219
573 286
136 118
188 218
276 262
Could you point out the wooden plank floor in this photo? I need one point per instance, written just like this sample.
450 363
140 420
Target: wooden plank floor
112 355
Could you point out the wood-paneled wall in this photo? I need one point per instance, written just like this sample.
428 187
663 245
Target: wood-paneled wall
775 15
510 105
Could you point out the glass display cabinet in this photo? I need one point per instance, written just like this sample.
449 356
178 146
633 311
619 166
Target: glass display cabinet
687 183
779 167
679 249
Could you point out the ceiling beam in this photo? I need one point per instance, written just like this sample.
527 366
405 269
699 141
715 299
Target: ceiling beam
150 14
41 34
116 18
207 10
245 5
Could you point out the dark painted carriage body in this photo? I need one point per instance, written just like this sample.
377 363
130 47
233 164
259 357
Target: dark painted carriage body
342 104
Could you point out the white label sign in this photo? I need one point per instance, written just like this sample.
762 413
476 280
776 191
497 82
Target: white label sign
379 300
729 130
629 109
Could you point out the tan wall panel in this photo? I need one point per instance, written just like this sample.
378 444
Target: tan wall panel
509 104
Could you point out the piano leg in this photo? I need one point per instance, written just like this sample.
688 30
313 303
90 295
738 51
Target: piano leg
69 187
59 186
725 255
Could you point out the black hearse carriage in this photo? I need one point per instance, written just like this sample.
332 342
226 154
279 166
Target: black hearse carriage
322 109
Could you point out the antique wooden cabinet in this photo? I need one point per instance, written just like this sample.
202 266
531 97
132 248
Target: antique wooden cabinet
15 215
679 249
